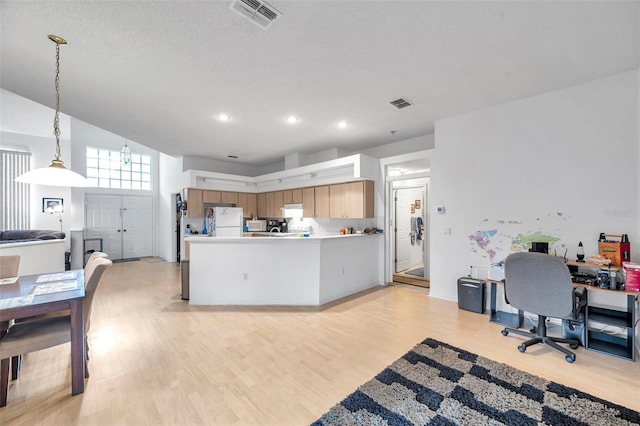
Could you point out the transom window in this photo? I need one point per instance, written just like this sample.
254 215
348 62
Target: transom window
105 170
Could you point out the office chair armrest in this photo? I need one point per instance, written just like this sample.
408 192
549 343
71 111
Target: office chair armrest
579 300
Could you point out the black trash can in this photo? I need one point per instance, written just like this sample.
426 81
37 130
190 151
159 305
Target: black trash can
471 294
67 260
184 272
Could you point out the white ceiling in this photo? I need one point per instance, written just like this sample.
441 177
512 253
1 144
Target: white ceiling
158 72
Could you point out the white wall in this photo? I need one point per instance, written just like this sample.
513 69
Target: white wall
28 127
84 135
563 163
169 167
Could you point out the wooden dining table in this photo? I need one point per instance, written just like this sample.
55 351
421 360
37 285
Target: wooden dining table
46 293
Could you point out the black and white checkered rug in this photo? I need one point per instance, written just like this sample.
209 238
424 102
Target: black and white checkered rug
438 384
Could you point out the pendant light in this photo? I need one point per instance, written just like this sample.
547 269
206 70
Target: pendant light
125 154
56 174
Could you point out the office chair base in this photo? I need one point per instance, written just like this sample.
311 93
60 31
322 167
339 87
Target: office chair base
542 337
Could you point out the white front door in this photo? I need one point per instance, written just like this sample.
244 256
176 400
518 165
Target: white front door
123 222
403 229
102 219
137 238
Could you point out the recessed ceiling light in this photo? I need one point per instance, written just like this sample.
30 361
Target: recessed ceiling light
224 117
292 119
343 124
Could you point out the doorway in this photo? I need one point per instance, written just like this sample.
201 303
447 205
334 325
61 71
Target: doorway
409 212
124 222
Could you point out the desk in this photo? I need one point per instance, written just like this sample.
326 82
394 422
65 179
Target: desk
17 301
624 318
501 317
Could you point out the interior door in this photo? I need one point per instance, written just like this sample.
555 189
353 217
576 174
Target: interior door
137 215
125 224
402 229
102 219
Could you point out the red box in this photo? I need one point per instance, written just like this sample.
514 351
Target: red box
631 276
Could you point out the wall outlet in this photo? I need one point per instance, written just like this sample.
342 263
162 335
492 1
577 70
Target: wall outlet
245 276
342 270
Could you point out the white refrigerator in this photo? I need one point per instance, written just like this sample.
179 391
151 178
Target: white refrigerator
225 222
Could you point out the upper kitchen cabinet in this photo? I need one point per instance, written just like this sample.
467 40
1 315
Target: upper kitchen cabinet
210 196
249 204
322 205
229 197
195 206
353 200
308 202
292 196
261 199
275 203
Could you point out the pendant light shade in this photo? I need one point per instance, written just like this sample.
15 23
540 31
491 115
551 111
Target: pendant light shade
56 174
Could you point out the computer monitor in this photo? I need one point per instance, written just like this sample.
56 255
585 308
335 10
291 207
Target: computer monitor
540 247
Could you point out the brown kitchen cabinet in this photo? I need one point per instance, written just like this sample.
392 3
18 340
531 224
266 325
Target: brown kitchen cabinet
292 196
261 200
275 202
308 202
195 207
322 201
249 204
353 200
209 196
229 197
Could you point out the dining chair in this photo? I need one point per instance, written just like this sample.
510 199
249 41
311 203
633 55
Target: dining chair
88 270
9 266
31 336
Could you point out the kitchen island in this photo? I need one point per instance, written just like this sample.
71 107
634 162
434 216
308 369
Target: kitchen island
290 271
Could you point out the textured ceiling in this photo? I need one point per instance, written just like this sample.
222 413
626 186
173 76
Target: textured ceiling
157 72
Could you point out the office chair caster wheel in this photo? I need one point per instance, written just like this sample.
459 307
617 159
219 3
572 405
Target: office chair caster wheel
570 358
573 346
504 332
522 348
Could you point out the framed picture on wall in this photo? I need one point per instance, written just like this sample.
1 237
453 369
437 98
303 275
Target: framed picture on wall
417 204
413 208
56 204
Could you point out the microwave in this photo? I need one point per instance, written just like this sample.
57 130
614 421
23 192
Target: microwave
256 225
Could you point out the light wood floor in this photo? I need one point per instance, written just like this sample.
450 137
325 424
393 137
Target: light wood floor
404 278
157 360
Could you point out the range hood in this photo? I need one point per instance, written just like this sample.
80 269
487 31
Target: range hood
292 210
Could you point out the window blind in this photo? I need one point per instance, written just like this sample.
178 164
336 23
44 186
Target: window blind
15 200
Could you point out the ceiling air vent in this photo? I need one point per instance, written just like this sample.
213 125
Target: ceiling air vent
258 12
401 103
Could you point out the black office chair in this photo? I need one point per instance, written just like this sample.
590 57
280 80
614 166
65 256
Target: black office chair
541 284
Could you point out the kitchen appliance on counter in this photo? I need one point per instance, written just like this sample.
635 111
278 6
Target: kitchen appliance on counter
224 221
277 225
256 225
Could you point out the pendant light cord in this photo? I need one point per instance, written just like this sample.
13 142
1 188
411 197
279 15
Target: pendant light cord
56 119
